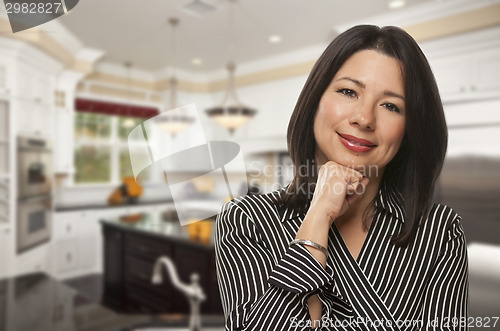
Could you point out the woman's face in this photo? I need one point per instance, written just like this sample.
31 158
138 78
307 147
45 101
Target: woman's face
360 120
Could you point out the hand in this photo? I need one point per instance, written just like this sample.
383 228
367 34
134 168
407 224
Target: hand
337 188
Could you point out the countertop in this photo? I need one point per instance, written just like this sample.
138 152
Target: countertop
87 206
39 302
153 224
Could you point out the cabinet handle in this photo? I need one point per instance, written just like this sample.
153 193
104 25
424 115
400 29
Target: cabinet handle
473 87
68 228
462 89
68 257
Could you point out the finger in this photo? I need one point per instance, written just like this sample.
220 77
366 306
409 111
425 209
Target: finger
353 179
351 186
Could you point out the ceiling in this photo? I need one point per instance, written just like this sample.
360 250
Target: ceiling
137 31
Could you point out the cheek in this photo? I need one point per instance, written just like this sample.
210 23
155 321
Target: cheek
328 113
397 131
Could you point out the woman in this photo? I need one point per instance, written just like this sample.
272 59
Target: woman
354 242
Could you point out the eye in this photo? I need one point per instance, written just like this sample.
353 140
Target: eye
347 92
391 107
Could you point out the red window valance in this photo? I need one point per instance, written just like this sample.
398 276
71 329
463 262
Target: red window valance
113 108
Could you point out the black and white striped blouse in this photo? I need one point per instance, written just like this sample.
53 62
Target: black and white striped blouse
264 284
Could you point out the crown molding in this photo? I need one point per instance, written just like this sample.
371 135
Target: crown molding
421 13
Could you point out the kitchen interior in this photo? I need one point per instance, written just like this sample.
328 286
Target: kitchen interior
92 236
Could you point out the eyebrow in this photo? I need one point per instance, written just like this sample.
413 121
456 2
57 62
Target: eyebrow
362 85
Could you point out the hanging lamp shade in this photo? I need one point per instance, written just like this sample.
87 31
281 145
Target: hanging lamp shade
231 114
174 120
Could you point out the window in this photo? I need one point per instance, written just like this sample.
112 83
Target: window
101 148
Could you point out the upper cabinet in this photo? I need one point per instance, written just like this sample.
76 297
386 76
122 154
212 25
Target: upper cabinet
469 76
34 85
27 82
6 76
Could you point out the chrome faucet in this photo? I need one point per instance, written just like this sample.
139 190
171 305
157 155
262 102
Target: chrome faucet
193 292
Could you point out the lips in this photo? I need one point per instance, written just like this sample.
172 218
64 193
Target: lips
356 144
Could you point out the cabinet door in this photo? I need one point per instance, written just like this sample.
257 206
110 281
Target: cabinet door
65 226
5 234
88 241
33 118
25 88
35 260
113 268
67 256
64 137
486 67
43 89
451 76
6 67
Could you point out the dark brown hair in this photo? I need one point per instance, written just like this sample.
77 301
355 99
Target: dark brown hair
410 176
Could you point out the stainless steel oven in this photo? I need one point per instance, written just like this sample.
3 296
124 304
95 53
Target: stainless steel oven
34 198
34 221
34 157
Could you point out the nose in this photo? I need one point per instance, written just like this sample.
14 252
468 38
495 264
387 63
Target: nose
364 116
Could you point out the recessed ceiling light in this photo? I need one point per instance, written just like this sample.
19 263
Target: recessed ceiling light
198 8
196 62
274 39
396 4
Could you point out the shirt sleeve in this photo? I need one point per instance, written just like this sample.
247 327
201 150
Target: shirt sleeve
299 272
447 296
251 300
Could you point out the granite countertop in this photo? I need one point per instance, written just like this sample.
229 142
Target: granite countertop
40 302
153 224
87 206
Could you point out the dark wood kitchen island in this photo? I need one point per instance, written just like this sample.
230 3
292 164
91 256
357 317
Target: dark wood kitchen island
130 250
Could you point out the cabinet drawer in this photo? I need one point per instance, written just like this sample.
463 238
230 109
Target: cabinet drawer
145 247
65 228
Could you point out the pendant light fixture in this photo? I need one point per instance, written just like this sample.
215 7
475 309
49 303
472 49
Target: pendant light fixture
128 122
174 119
231 114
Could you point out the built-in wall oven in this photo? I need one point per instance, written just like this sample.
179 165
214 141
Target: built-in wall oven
34 212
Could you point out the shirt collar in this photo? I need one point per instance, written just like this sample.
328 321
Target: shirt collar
390 201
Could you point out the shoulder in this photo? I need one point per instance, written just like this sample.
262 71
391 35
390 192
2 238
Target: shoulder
444 221
254 207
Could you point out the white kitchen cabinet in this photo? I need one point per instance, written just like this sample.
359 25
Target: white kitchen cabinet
6 76
5 236
77 239
33 118
34 84
35 260
64 141
66 255
75 246
470 76
486 68
64 132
